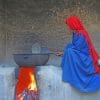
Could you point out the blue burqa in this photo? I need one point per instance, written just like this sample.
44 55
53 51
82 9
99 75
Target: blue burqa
77 66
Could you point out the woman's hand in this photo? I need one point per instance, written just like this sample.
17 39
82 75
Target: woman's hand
99 62
59 53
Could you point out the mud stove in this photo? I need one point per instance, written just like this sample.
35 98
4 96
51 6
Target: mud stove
26 85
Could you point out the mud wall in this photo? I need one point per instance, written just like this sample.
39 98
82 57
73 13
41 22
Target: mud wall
24 22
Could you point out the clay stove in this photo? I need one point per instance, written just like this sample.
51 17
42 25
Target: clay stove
26 87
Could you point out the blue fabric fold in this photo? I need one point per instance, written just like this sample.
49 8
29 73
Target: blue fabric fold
77 66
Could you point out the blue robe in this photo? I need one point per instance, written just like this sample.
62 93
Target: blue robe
77 66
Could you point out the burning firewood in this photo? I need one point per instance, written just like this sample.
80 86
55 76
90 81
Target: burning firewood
26 88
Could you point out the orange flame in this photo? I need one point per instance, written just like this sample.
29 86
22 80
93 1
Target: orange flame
32 85
26 80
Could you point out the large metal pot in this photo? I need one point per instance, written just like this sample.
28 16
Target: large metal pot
31 59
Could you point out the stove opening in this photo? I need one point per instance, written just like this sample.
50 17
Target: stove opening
26 87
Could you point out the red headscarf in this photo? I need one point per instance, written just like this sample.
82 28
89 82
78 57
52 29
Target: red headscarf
74 23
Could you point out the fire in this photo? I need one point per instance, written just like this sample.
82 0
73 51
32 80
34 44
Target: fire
26 81
32 85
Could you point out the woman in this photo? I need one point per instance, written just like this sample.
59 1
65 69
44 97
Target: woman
80 60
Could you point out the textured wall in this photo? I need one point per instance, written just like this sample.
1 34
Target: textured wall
2 34
23 22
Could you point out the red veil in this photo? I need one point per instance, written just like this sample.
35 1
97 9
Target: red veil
74 23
